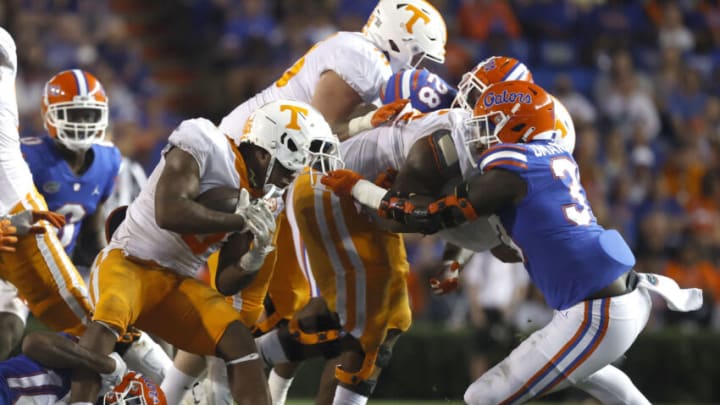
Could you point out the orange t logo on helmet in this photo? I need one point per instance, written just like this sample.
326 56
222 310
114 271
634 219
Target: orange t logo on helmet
417 14
294 111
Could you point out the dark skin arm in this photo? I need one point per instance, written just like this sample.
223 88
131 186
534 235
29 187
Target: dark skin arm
56 351
175 208
335 100
419 177
231 277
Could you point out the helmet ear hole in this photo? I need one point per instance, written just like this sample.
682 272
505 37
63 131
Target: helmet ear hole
518 128
291 145
393 46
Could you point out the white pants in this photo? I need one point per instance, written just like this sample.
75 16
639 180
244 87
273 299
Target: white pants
576 343
11 303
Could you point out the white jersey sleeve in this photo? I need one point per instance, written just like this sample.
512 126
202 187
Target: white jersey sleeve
349 54
15 177
186 138
140 236
372 152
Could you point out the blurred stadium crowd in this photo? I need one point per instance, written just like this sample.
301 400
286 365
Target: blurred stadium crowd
640 78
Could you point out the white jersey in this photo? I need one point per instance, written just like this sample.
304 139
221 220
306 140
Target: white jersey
140 236
349 54
372 152
15 177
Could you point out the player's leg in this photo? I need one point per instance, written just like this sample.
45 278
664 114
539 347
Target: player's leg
181 375
353 270
196 318
116 287
46 278
146 356
13 315
611 386
575 344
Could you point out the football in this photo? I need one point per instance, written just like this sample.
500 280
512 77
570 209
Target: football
221 198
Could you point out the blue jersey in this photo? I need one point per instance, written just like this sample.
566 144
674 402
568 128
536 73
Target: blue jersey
568 255
21 377
66 193
426 91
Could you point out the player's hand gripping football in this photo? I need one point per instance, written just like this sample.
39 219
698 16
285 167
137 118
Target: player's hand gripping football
445 280
259 218
341 181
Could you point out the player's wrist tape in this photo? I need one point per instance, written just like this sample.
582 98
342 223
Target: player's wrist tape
360 124
368 193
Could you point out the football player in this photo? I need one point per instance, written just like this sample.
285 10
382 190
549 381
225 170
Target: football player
41 374
336 76
75 173
584 271
39 267
146 275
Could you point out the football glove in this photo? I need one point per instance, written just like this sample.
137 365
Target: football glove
259 219
445 280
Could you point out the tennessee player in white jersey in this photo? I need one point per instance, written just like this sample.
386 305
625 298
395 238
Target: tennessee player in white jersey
38 267
146 275
342 72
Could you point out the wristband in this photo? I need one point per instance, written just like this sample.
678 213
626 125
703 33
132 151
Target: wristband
360 124
368 193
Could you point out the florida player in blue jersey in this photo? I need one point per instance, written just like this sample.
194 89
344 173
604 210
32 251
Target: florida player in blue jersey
73 168
583 270
75 173
41 374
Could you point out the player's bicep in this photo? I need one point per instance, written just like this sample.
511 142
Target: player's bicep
495 189
426 169
180 178
334 98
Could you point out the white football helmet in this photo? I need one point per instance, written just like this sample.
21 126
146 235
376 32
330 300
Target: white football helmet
564 127
295 134
406 28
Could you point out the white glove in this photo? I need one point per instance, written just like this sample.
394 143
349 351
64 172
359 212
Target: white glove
253 260
259 219
113 378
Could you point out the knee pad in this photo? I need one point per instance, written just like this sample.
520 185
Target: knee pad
299 345
364 380
313 338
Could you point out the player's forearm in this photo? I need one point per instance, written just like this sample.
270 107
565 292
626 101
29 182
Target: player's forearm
233 278
55 351
186 216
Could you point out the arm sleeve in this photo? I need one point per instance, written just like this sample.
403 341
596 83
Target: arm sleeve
511 157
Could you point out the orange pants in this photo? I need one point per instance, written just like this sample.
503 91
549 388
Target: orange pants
360 269
45 277
181 310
